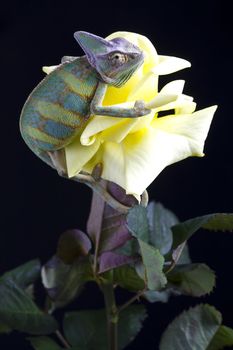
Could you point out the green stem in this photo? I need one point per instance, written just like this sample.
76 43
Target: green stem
132 300
62 339
112 315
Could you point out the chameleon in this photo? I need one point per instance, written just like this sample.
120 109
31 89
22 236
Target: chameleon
62 103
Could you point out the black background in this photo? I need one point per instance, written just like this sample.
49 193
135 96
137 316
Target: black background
37 205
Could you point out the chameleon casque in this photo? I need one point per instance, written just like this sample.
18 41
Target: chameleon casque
64 100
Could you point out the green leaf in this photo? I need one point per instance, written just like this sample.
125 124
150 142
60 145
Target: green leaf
44 343
25 274
130 324
63 282
193 329
193 279
218 222
154 296
87 329
18 311
4 328
126 277
184 257
153 264
130 248
137 222
222 338
152 259
160 222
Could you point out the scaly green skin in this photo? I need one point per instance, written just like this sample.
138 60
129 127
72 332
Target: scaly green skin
60 106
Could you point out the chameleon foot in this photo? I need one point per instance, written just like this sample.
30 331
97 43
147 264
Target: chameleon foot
140 108
58 161
97 172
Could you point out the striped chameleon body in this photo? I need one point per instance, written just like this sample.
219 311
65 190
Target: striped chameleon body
58 107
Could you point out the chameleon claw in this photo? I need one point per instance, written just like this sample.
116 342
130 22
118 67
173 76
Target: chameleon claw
97 171
140 108
58 161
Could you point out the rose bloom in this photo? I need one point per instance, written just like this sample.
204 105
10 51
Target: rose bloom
133 151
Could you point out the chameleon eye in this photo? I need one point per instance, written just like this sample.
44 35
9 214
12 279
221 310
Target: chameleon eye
118 58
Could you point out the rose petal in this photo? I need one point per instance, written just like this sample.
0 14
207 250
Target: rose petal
174 87
116 95
118 132
113 163
170 64
183 104
143 122
170 139
96 125
100 123
146 89
49 69
78 155
193 127
161 100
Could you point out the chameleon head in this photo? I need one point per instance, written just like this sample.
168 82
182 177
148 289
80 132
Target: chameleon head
115 60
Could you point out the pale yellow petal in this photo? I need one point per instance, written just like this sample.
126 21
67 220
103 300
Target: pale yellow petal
173 87
141 157
169 96
170 64
185 107
182 105
78 155
49 69
146 89
99 123
116 95
118 132
143 122
112 128
161 101
113 163
192 129
170 140
95 126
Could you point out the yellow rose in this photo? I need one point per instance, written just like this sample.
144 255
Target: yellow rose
134 151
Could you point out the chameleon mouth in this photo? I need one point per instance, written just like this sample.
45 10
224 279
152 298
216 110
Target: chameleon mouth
122 79
117 78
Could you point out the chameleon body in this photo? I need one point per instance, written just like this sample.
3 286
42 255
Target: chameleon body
58 108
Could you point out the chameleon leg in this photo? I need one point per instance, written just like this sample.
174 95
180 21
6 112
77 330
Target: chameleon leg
58 160
97 172
138 110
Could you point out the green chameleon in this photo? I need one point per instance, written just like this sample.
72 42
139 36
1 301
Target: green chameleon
60 106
